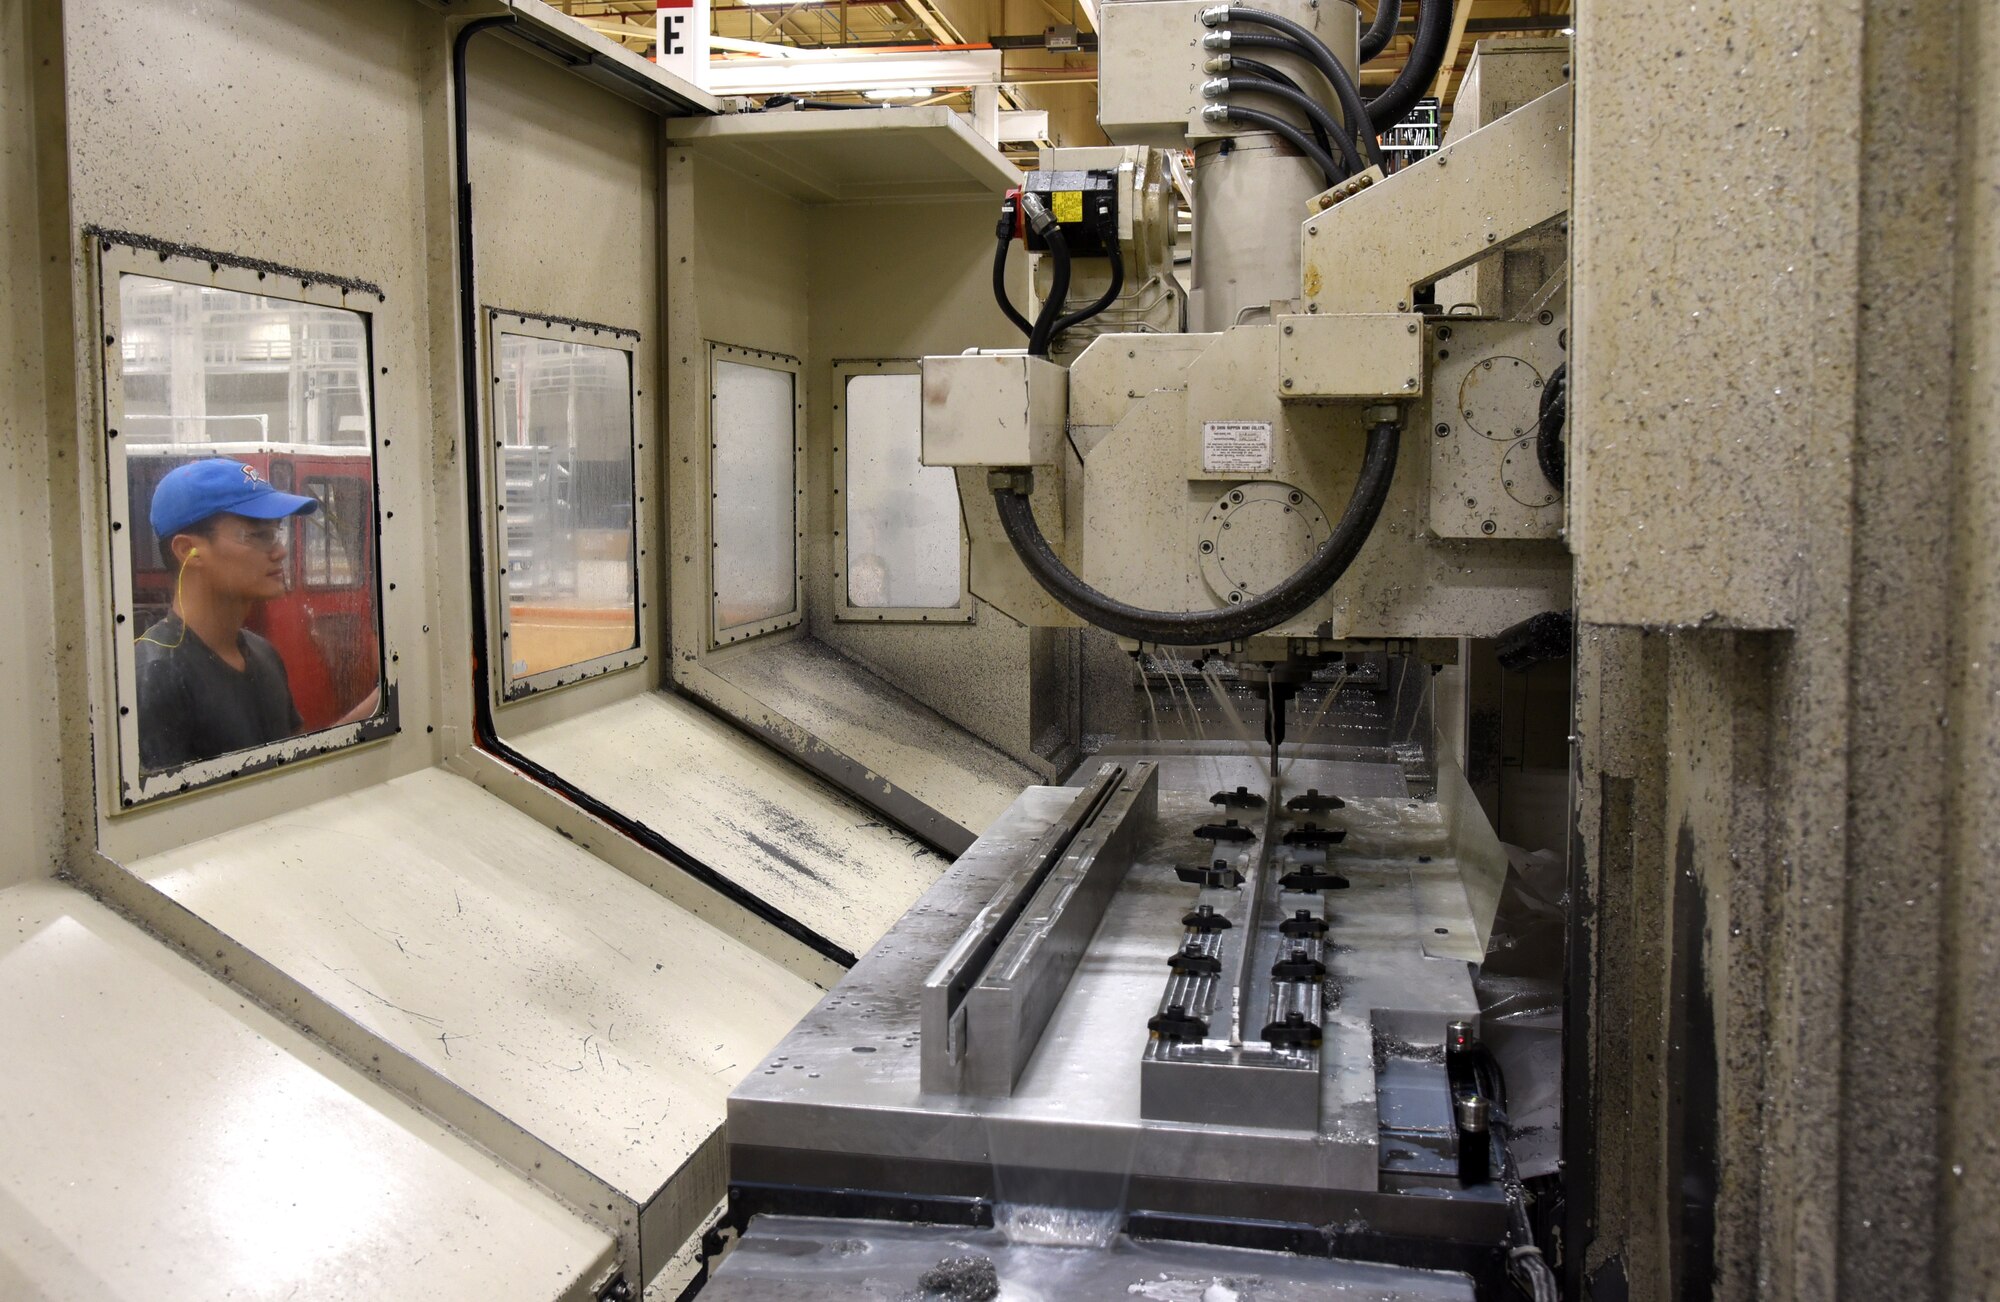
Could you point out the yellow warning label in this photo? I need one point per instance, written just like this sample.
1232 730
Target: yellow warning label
1068 205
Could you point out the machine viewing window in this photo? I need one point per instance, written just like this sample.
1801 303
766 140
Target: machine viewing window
754 520
241 458
563 475
903 554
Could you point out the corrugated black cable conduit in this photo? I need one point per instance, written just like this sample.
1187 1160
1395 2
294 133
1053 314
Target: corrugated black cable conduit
1003 235
1333 173
1209 627
1526 1267
1325 128
1045 321
1376 39
1426 57
1549 450
1310 47
1270 72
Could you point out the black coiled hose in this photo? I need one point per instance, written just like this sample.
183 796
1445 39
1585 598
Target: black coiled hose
1376 39
1549 429
1270 72
1308 46
1046 320
1426 57
1299 140
1324 127
1003 235
1210 627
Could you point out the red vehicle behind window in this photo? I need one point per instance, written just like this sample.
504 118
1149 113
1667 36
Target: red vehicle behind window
325 625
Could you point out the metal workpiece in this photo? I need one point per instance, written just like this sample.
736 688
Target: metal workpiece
844 1103
992 1033
811 1259
965 964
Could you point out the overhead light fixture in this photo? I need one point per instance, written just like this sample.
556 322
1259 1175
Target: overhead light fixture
813 71
898 92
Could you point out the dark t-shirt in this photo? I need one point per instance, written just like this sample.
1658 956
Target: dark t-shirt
193 706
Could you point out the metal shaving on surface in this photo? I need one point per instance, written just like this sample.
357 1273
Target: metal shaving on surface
960 1279
215 258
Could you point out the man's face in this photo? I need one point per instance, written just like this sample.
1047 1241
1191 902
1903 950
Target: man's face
243 558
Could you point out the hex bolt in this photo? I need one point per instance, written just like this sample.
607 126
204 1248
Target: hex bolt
1288 381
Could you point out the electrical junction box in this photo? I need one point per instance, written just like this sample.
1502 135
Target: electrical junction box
994 409
1084 204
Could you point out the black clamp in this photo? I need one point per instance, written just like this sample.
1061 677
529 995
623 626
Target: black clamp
1227 830
1241 798
1311 878
1314 836
1294 1032
1217 876
1203 919
1192 960
1298 966
1176 1027
1312 802
1302 926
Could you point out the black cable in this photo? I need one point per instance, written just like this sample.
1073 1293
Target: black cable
1209 627
780 101
1376 39
1299 140
1322 121
1003 240
1549 448
1526 1266
1045 321
1401 95
1269 41
1271 72
1359 123
1109 296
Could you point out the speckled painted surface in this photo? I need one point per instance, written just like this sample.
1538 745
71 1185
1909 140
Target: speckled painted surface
1781 422
813 853
166 1140
1970 1153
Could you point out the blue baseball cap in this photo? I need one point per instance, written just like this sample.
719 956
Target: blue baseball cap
189 494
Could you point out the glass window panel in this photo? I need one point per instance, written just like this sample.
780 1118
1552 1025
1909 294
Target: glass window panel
753 476
254 625
566 538
902 516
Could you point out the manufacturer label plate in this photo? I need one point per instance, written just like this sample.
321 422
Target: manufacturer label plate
1236 445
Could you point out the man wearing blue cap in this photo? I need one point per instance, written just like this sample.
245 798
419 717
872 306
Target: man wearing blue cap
207 685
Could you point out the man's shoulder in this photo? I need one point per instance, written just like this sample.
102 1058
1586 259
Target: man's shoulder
257 647
155 647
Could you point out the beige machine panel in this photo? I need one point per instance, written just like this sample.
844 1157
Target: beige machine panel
1485 403
1364 355
1150 63
1146 514
989 409
1497 185
1503 76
